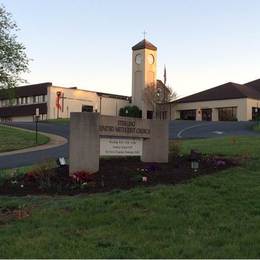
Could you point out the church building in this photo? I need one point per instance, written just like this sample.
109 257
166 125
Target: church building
227 102
54 102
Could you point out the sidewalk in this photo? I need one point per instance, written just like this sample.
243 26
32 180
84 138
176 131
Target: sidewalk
55 141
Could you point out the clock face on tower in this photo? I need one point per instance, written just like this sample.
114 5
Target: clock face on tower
151 59
138 59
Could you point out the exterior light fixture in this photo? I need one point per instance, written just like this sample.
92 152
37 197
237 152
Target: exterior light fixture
61 161
144 179
195 158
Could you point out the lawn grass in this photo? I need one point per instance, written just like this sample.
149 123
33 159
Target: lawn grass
227 146
216 216
256 127
14 139
57 121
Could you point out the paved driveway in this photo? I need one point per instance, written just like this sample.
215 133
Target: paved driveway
177 129
202 129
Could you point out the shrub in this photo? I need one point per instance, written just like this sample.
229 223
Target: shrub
130 111
174 149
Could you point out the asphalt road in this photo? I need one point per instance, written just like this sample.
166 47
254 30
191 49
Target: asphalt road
177 129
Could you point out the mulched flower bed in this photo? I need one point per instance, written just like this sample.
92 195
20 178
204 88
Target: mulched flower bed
123 173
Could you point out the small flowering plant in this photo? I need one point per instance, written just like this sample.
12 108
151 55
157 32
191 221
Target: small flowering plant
31 177
220 163
149 169
145 174
82 177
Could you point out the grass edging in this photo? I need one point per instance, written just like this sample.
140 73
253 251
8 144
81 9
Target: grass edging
14 138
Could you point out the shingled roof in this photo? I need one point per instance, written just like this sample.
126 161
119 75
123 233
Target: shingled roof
144 44
229 90
255 84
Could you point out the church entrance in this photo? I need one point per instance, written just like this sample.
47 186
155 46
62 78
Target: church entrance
206 114
149 114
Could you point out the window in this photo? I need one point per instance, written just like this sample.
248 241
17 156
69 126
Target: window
206 114
34 99
86 108
162 115
188 114
44 98
255 113
5 102
227 114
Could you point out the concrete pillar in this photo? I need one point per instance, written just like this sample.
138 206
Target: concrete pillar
214 114
199 114
156 148
84 142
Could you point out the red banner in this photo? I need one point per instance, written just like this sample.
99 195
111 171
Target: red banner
58 100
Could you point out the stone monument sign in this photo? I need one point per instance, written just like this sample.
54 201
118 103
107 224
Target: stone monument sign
93 135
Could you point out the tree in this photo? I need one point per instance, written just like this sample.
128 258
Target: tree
164 93
159 94
158 97
13 59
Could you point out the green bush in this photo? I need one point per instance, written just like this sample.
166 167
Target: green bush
174 149
130 111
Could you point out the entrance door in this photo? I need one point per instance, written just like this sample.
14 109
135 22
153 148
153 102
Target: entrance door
188 114
207 114
149 114
255 113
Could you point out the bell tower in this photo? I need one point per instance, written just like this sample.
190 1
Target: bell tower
144 66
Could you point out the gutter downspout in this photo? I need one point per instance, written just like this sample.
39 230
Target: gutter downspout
100 106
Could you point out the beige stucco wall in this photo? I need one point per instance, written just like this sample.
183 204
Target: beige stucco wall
22 118
241 105
19 119
75 99
244 107
111 106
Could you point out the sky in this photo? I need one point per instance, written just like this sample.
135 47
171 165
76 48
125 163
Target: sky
87 43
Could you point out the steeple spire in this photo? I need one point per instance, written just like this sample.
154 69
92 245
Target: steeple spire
144 33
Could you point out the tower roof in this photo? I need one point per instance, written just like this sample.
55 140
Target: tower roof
144 44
